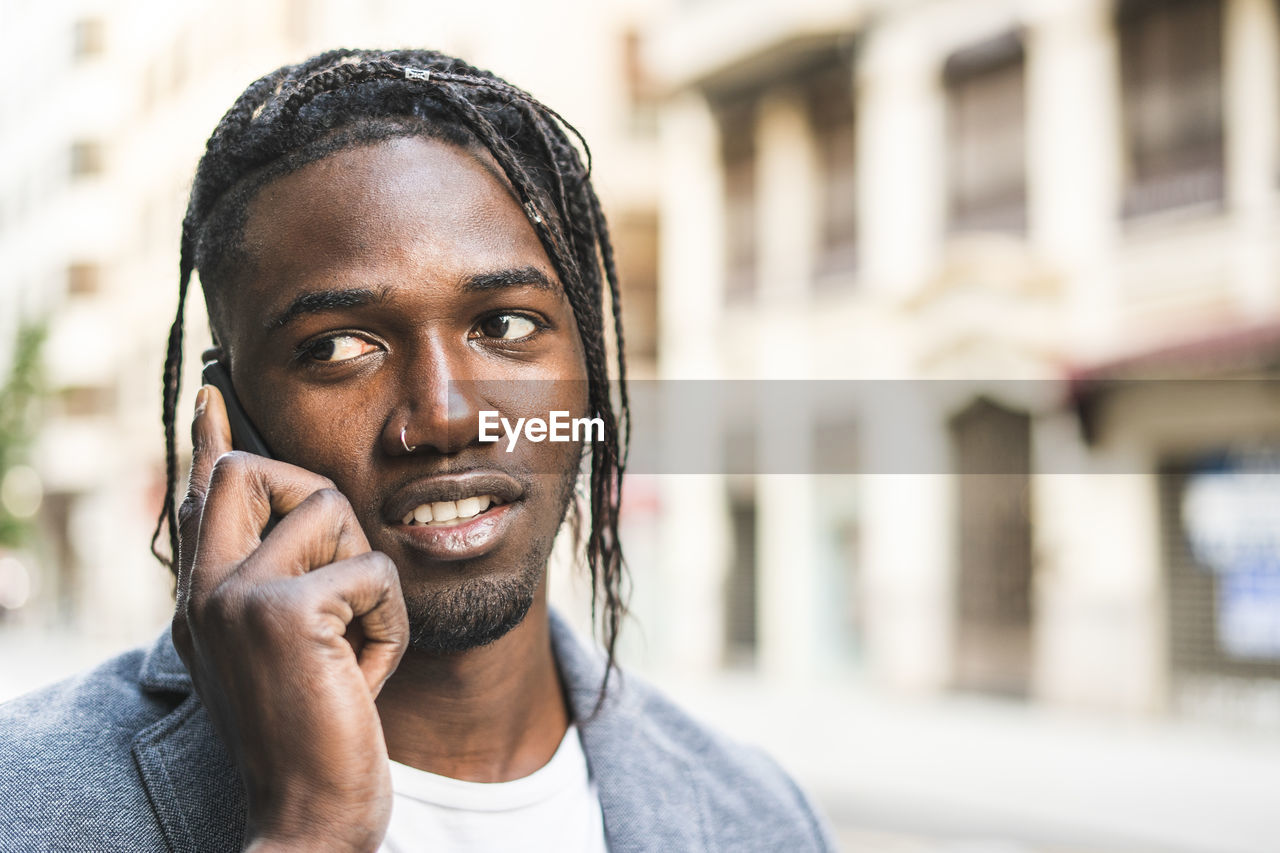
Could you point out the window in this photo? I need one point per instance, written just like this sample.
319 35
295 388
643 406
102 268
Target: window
643 96
299 20
991 446
636 244
839 615
986 135
738 154
86 159
1171 90
831 115
83 279
88 38
80 401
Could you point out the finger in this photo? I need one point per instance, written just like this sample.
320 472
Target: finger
210 438
364 590
323 529
244 490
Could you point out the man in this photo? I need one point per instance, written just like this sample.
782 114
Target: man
362 655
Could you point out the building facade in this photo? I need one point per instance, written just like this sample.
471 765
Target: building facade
1047 232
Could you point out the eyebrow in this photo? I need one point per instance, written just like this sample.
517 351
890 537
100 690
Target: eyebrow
520 277
319 301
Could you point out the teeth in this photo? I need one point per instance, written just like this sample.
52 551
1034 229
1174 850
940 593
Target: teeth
445 511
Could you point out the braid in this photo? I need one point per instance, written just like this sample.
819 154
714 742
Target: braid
611 469
615 303
172 385
301 113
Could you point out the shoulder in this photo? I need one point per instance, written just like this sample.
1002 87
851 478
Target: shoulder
67 748
745 792
109 690
669 781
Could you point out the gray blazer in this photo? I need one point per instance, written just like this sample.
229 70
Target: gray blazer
124 758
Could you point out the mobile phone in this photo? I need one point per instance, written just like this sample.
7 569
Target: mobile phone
244 436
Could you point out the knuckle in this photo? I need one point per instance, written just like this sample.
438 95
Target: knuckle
310 600
331 501
382 565
231 465
331 493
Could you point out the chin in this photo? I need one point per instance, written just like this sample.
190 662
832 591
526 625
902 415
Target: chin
470 613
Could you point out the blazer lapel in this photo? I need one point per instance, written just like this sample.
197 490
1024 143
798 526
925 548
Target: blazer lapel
193 786
648 794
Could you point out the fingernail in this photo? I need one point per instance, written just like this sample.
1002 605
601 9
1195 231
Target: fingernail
202 397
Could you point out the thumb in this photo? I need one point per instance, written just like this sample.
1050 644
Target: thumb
210 438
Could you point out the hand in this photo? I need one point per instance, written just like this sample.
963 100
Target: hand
288 640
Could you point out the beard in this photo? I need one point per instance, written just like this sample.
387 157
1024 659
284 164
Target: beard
475 612
472 613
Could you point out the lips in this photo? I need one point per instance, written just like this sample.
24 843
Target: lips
458 540
452 488
482 505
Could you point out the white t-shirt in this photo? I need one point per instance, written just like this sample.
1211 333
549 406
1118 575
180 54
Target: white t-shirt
555 808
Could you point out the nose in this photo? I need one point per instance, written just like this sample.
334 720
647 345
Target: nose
439 409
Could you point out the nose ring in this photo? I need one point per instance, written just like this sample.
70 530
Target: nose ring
405 444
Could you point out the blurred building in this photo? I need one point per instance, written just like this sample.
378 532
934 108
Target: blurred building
1049 229
1038 198
97 152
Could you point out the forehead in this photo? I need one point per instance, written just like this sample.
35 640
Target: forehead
412 200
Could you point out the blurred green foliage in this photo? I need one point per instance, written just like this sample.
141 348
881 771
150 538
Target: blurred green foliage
19 398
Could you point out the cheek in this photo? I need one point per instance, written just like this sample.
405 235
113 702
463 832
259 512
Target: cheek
327 435
570 390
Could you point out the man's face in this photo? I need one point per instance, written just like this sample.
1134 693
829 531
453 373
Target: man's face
386 279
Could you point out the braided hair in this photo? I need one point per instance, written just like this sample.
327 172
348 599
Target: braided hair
301 113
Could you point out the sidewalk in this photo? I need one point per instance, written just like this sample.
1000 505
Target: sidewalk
951 775
964 774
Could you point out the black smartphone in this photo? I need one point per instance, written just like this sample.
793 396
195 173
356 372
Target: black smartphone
244 436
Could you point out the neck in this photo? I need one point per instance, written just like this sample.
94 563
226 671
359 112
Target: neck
490 714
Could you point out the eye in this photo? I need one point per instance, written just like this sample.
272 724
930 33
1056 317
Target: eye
337 348
507 327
